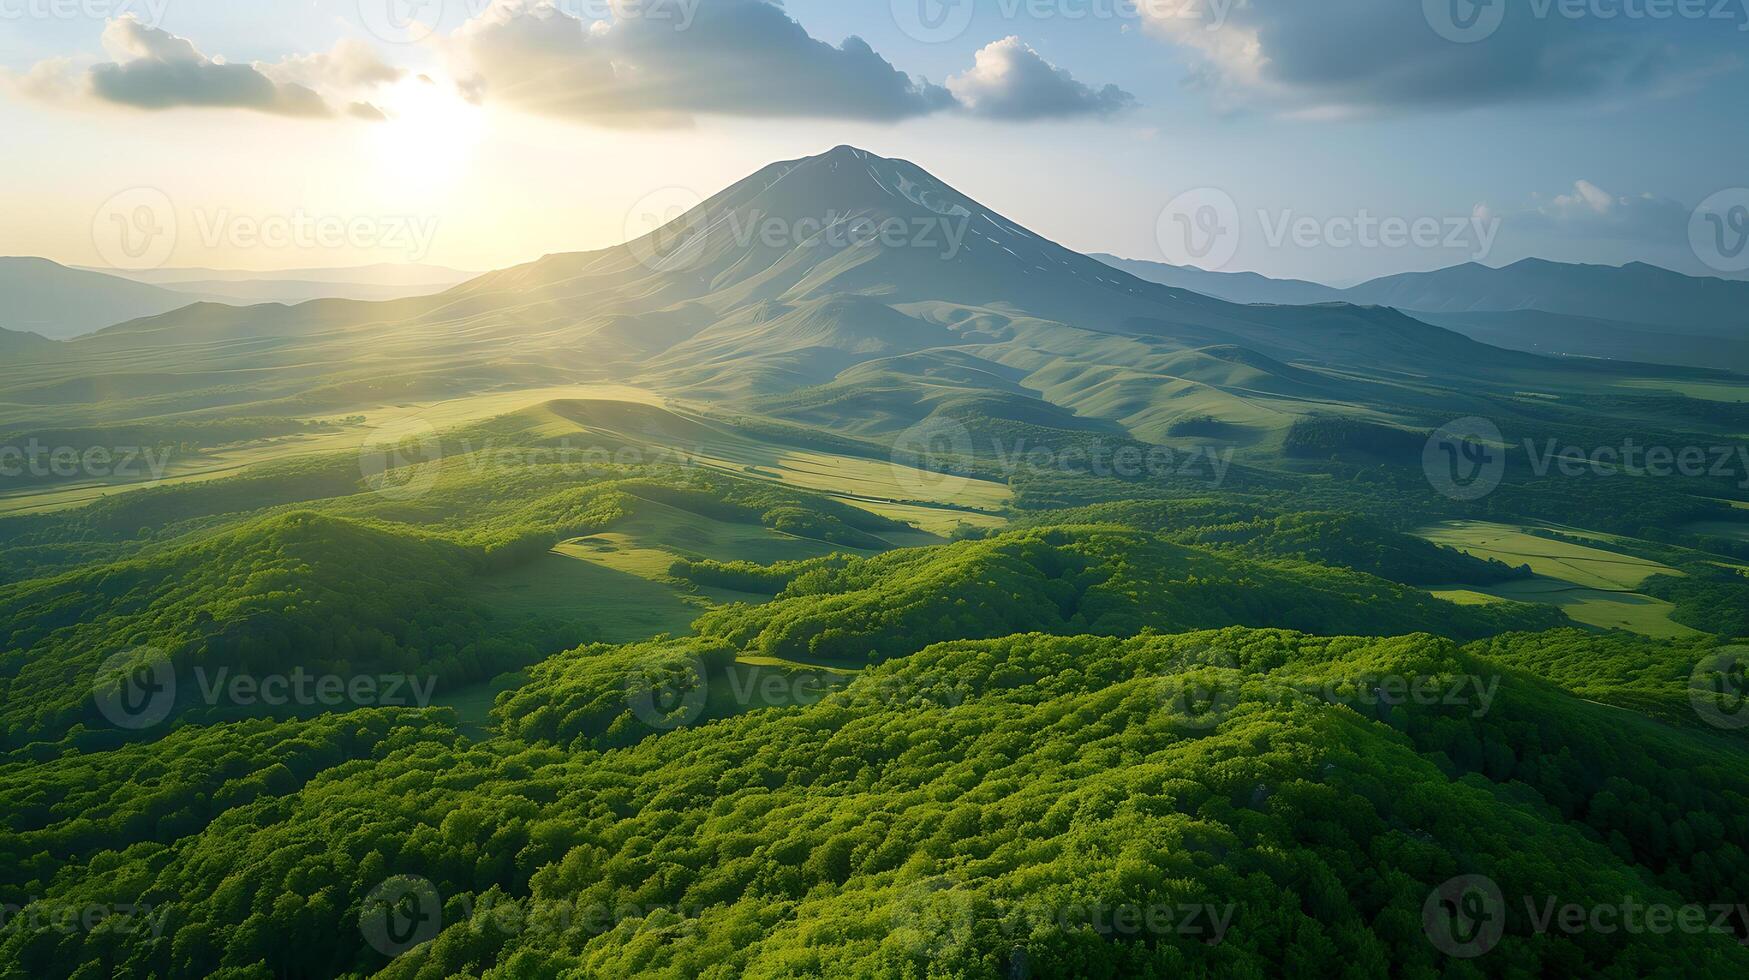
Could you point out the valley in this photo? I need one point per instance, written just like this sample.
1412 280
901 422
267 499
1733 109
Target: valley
813 609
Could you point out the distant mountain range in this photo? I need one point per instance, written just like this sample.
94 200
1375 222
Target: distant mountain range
61 302
382 281
1633 312
54 301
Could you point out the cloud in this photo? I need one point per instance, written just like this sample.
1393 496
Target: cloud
351 65
152 69
1345 56
1012 81
666 62
653 65
158 70
1591 212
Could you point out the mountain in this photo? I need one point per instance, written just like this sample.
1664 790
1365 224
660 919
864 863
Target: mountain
786 281
1577 336
377 274
58 302
1634 293
16 342
1632 312
381 281
1234 287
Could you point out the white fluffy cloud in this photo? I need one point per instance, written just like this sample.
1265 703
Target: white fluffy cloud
655 67
152 69
665 62
1012 81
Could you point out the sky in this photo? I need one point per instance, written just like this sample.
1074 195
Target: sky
1337 141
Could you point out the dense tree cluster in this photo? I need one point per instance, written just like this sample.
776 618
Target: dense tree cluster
1161 734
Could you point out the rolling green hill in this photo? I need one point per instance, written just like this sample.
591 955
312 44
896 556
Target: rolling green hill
794 605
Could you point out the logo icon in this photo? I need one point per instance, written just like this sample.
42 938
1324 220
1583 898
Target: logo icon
1464 21
1717 689
399 914
926 456
136 688
668 694
135 230
1201 695
401 21
933 21
1200 228
1718 231
1465 460
1465 917
401 460
666 229
933 914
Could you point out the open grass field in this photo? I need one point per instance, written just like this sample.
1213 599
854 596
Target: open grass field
1594 586
618 606
612 415
409 418
1592 607
672 432
617 581
1592 568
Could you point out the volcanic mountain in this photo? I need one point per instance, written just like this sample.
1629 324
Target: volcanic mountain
810 268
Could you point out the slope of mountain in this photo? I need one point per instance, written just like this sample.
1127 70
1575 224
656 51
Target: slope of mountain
1234 287
20 341
1577 336
801 272
58 302
665 653
1634 293
1635 312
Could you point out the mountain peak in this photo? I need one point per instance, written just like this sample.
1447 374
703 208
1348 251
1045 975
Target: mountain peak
846 150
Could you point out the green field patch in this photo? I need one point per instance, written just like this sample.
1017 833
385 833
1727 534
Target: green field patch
413 419
1593 586
1593 607
674 434
616 605
1592 568
767 682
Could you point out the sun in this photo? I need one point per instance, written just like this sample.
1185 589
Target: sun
430 135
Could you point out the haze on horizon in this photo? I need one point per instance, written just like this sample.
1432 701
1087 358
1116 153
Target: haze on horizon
478 135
